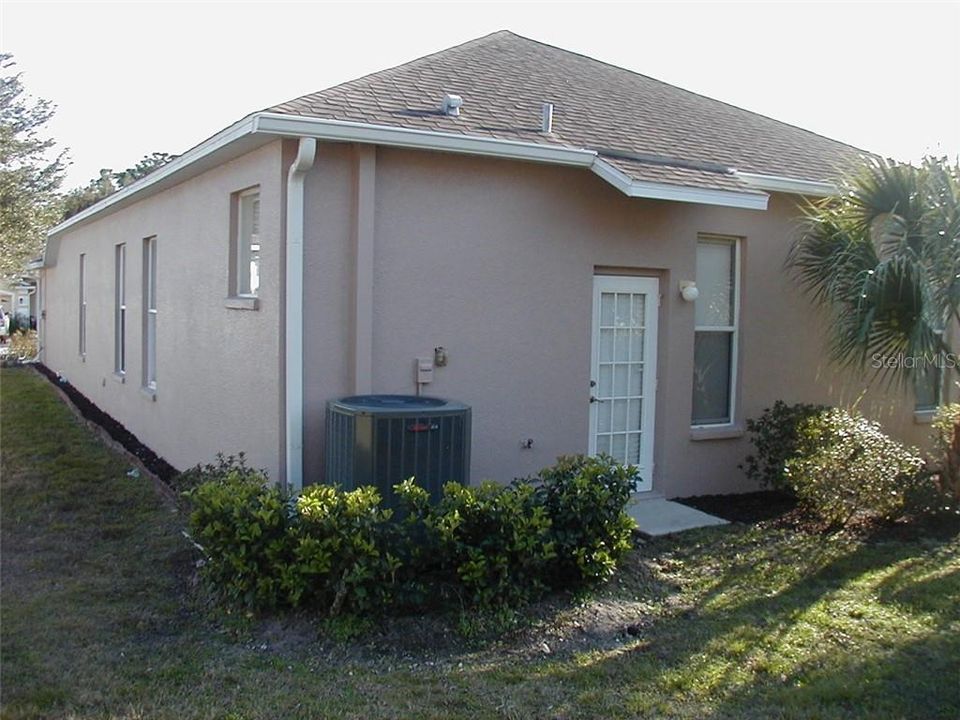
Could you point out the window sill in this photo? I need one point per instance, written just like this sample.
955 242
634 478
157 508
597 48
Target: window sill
119 377
242 302
924 417
149 393
717 432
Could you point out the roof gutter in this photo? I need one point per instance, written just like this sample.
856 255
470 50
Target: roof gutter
355 132
265 124
678 193
777 183
209 146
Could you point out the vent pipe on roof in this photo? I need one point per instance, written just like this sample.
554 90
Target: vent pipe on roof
451 105
546 119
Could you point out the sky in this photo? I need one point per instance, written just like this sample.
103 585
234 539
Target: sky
134 78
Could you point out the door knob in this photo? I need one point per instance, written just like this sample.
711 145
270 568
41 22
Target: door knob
594 399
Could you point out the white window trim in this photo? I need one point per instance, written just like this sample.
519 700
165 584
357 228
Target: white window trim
733 329
120 311
923 410
150 314
241 254
82 304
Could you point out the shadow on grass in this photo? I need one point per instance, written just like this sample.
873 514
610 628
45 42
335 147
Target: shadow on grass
751 622
805 626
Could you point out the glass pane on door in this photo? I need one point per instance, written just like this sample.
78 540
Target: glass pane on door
619 392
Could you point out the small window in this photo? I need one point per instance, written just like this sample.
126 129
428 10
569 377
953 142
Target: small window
927 384
715 337
120 310
82 319
150 313
246 245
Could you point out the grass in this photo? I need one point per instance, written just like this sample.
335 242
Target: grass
99 618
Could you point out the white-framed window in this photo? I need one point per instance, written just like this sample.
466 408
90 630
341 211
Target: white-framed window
927 388
150 313
717 311
82 304
246 244
120 310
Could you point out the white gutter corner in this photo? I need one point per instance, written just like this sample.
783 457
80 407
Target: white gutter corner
293 350
792 186
677 193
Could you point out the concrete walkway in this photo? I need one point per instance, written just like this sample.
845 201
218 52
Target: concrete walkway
656 516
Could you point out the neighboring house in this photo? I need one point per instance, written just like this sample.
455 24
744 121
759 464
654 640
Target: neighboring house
18 298
535 212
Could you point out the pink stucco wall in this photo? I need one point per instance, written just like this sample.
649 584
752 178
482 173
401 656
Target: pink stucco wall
494 260
218 368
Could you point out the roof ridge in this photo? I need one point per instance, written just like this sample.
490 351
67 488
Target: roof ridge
510 75
674 87
393 68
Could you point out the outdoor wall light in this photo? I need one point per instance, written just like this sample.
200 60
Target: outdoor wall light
688 290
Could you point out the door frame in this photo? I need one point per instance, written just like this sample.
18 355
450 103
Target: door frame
649 286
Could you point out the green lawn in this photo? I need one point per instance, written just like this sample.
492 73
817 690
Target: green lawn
100 619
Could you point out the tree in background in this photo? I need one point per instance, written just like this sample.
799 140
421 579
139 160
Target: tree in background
29 178
109 182
883 259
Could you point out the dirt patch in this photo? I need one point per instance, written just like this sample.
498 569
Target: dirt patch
151 461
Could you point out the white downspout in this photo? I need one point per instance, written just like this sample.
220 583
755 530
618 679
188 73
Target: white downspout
366 158
293 360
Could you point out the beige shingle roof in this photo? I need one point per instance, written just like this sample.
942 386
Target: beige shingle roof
680 137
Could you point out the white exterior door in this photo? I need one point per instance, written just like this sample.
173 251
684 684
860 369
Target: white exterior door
623 379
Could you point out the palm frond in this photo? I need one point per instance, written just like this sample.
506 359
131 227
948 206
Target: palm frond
883 260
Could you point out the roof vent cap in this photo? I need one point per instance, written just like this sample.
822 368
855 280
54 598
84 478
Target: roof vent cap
546 119
451 105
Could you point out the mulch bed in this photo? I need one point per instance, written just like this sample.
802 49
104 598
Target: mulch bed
750 507
153 462
777 509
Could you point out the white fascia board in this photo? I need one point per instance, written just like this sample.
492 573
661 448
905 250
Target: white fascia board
216 149
677 193
348 131
209 146
794 186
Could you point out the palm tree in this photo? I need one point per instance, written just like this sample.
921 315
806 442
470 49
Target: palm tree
883 259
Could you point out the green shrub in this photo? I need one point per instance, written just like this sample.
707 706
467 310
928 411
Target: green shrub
24 346
490 546
341 550
223 468
501 545
584 498
946 448
328 548
491 540
243 527
775 437
848 466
